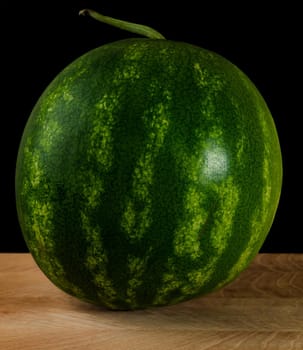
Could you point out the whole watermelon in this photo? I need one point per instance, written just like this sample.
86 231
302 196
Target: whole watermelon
149 173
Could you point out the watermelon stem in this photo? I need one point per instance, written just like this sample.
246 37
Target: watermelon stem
124 25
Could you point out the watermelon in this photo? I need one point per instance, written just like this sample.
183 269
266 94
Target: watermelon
149 173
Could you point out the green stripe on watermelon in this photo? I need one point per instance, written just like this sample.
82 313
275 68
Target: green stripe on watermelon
149 175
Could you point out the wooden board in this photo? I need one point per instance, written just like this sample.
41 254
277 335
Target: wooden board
262 309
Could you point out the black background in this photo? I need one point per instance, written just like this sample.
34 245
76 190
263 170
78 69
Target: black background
38 39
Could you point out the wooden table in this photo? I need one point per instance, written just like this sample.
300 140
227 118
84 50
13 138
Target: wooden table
262 309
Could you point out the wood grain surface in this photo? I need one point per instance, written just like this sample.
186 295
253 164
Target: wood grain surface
262 309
